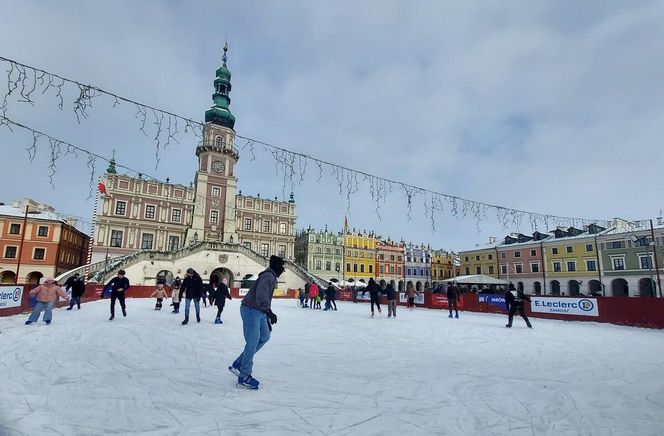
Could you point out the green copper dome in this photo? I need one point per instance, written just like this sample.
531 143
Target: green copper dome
220 112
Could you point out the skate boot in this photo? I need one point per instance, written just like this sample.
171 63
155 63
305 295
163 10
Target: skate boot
247 382
218 321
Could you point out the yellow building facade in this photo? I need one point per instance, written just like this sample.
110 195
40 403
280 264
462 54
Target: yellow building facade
571 263
442 266
359 256
480 261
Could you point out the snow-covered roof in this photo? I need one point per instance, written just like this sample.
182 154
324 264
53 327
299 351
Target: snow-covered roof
18 212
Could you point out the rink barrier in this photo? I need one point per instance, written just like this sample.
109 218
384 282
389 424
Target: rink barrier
645 312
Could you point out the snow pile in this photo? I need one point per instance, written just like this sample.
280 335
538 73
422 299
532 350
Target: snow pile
327 373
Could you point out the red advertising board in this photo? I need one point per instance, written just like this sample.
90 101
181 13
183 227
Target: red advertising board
440 300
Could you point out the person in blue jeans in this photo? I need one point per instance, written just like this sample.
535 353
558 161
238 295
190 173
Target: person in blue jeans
257 320
192 288
46 295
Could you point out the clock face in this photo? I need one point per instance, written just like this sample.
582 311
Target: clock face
218 166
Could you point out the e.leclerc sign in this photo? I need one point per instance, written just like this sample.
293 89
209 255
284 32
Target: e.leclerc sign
564 306
10 296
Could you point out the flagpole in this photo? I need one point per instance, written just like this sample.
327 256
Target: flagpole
92 235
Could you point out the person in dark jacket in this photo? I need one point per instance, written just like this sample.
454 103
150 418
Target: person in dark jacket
119 285
452 298
221 293
330 295
391 300
257 321
514 300
77 290
192 288
374 291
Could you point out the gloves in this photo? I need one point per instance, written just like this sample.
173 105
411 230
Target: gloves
271 317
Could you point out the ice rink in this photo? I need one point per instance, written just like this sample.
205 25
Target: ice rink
331 373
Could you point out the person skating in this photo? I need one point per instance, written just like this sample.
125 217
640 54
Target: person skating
410 294
391 300
77 291
452 299
220 296
175 295
119 285
300 296
313 295
46 294
374 292
192 288
514 300
257 321
160 293
329 297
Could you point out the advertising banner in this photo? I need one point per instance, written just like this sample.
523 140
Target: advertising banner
10 296
565 306
496 300
419 298
440 300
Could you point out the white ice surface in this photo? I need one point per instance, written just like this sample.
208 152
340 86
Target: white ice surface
327 373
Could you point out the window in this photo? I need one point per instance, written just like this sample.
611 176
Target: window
589 247
282 228
216 192
149 211
570 249
176 215
502 256
556 267
399 258
10 252
490 256
354 267
392 257
146 241
517 254
503 269
554 250
247 223
328 266
214 216
361 267
219 141
120 207
328 250
533 253
642 242
266 226
319 250
478 270
282 252
618 263
534 267
392 269
42 231
399 270
319 264
348 267
337 251
408 260
490 269
518 269
616 244
476 258
265 250
337 266
591 265
467 271
370 269
408 271
571 266
646 262
39 254
173 243
381 268
247 244
116 238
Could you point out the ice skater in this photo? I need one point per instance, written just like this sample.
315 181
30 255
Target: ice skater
257 321
118 285
330 295
313 295
410 294
175 295
391 300
77 289
221 293
46 294
192 288
514 300
374 292
452 298
160 293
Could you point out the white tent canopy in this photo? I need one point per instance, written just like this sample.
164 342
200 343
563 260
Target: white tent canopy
479 279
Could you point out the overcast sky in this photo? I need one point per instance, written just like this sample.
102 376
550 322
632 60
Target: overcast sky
554 107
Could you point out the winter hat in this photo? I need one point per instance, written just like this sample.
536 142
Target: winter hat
511 287
277 264
191 271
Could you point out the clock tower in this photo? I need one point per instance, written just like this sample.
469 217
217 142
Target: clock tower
216 184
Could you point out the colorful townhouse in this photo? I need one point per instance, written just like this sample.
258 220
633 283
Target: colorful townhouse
320 253
359 256
520 261
390 262
418 266
482 260
442 267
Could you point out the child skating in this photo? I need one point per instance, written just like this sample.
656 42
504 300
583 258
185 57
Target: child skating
160 293
220 296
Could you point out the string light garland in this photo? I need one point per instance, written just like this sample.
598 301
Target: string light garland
26 81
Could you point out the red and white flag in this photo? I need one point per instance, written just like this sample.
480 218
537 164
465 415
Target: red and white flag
103 191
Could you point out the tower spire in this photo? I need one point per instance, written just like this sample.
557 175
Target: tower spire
220 112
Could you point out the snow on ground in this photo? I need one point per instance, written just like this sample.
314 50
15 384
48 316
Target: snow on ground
332 373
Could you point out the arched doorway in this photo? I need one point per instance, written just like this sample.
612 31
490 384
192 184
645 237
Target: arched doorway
619 288
574 287
400 288
34 277
165 276
555 287
220 273
519 286
418 286
8 277
595 287
537 288
383 284
646 287
426 286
